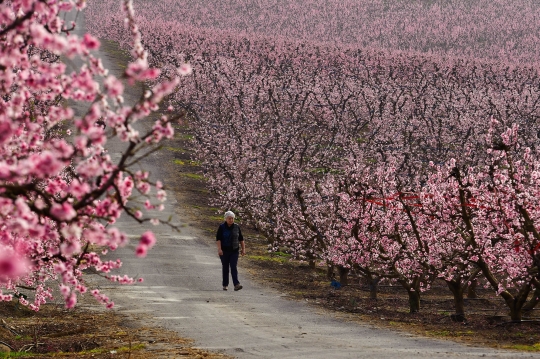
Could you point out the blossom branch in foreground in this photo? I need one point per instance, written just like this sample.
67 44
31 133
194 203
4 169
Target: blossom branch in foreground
60 192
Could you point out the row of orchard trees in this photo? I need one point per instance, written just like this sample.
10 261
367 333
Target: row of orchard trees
405 168
401 168
498 30
406 195
399 186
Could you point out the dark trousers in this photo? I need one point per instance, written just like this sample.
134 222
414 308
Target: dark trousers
229 259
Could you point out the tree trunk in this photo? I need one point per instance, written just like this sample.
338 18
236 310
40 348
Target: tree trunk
311 260
414 300
413 292
471 289
459 304
515 312
516 303
373 283
343 275
330 272
533 302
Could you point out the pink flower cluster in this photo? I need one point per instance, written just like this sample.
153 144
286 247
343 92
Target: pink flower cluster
146 242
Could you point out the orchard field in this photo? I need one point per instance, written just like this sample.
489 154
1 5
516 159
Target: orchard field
390 144
396 140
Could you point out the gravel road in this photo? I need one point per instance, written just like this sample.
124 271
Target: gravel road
182 292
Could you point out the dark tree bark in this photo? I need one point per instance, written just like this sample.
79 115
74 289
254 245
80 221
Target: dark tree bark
531 304
459 304
373 283
471 289
414 301
343 275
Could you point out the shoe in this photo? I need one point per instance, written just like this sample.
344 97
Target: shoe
237 287
224 288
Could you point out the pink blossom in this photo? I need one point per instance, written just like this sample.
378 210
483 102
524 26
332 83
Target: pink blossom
148 205
90 42
5 298
113 86
63 211
78 189
184 69
71 301
161 195
5 131
70 247
143 187
146 242
12 264
148 239
141 251
65 290
44 164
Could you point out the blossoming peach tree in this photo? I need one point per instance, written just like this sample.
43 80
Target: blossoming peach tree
60 191
360 157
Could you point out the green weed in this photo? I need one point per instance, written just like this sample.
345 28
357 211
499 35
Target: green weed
181 136
20 337
187 162
268 259
440 333
175 149
194 176
124 349
282 254
15 355
524 347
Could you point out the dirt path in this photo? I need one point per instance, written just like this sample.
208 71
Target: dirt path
182 292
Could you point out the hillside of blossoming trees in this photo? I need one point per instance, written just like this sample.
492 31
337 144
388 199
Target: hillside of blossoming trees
500 30
398 139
